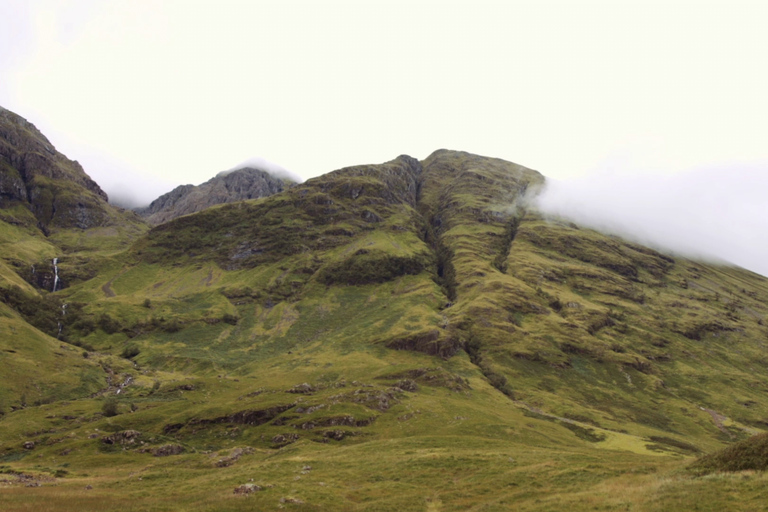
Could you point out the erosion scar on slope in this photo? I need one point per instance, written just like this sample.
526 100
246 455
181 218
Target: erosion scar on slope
209 278
107 289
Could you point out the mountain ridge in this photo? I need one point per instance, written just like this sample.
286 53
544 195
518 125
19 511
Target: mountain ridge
401 335
31 169
237 185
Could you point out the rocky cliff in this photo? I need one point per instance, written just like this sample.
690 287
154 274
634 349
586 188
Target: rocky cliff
43 182
227 187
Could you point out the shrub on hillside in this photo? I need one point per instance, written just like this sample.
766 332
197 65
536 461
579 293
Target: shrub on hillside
374 267
230 319
43 312
130 351
749 454
172 326
110 407
108 324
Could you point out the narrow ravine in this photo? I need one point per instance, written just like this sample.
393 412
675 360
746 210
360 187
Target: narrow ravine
505 246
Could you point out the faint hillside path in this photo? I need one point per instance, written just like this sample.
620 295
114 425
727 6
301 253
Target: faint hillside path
107 289
718 420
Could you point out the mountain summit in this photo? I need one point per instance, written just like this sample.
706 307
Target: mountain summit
34 175
226 187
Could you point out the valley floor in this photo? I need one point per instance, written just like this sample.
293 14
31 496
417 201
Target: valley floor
409 474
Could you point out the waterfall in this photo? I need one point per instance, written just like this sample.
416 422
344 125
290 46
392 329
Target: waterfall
63 314
56 273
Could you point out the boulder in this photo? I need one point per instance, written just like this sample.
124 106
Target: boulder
167 449
246 489
124 437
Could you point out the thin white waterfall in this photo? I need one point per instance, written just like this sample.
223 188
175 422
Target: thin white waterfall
56 273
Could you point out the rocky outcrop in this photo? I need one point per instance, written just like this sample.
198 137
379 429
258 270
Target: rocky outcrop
167 449
239 185
54 188
393 182
122 437
246 489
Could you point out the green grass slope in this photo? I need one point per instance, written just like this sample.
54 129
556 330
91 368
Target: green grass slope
37 369
410 335
747 455
50 210
49 207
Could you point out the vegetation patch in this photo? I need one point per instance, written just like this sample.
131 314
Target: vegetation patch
373 267
436 377
247 417
663 443
585 433
432 342
749 454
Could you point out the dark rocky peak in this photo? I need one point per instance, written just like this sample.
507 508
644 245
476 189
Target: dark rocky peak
247 183
166 201
25 148
54 188
226 187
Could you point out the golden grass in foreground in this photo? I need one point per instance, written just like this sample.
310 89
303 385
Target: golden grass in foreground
407 477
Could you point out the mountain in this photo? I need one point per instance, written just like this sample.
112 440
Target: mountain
408 335
44 182
226 187
56 227
50 208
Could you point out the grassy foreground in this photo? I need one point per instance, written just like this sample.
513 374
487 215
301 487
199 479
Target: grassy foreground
436 449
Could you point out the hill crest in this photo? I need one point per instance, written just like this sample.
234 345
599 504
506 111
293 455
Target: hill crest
226 187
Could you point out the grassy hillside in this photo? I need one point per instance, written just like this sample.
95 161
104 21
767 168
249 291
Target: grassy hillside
411 335
56 229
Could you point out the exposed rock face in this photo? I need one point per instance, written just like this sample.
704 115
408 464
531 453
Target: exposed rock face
33 174
239 185
123 437
247 489
168 449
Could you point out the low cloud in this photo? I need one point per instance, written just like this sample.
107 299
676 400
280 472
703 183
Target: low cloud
717 214
133 190
122 195
124 186
265 165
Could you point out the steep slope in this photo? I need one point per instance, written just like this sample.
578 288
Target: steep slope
406 335
50 208
582 326
227 187
56 229
39 179
36 368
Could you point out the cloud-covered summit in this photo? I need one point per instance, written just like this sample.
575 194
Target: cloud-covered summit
714 213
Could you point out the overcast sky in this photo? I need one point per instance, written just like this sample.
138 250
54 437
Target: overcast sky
151 94
707 213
